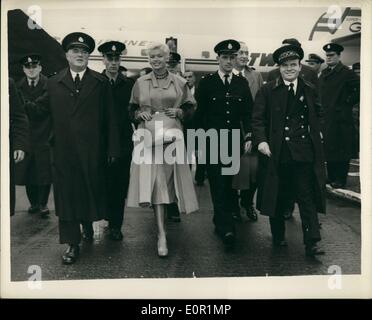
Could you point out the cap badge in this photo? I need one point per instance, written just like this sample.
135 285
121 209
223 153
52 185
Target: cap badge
229 46
29 59
329 46
113 48
81 39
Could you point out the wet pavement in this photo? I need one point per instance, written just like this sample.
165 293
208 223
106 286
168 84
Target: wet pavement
194 249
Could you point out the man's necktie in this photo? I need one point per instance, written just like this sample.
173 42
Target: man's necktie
77 82
226 82
291 94
32 84
112 82
240 74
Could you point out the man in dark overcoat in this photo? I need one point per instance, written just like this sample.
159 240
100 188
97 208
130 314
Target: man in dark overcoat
118 172
18 136
35 171
306 73
224 102
86 138
286 130
339 92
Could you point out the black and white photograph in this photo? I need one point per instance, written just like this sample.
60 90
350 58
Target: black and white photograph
164 149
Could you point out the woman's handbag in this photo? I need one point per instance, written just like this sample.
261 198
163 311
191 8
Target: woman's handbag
164 130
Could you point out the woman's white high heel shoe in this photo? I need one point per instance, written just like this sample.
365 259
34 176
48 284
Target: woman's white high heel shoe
162 246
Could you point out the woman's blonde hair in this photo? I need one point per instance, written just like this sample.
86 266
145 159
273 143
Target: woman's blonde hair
158 46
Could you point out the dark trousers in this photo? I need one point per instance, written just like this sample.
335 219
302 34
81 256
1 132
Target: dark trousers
69 231
337 171
200 172
246 198
222 198
38 195
117 188
296 179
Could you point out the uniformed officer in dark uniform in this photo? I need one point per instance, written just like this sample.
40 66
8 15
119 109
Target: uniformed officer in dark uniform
286 130
85 141
35 171
224 102
118 172
339 92
307 73
315 62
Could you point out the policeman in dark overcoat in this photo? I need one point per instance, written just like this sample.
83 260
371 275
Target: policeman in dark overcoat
35 171
86 138
224 102
118 172
18 136
339 92
286 130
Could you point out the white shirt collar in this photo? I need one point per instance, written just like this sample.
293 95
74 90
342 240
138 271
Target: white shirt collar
192 90
295 82
81 74
222 76
236 72
36 81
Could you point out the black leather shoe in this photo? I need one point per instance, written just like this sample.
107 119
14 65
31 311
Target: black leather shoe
251 213
115 234
88 232
237 216
229 239
313 250
71 254
33 209
337 185
280 243
44 212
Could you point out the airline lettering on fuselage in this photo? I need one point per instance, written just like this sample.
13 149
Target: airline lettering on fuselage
329 23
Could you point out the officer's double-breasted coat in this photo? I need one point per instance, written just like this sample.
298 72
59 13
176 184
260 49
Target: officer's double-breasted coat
85 133
339 92
220 110
268 125
35 169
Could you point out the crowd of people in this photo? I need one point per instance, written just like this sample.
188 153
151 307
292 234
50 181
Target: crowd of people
75 131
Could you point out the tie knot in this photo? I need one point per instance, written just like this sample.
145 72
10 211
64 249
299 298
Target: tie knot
226 76
77 77
291 85
32 83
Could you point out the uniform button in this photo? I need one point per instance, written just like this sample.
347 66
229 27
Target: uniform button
305 106
240 99
228 121
227 102
287 139
214 98
287 118
302 127
303 137
302 116
228 112
286 128
71 94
